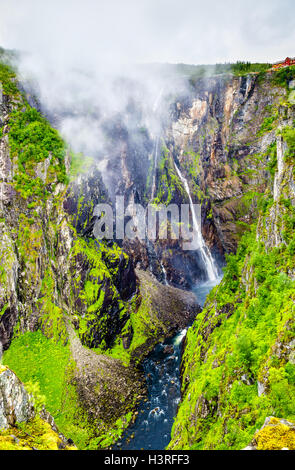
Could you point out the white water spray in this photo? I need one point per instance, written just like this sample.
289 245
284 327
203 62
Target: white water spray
178 339
164 274
208 261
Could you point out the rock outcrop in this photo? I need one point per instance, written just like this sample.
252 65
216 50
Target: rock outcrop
56 278
16 405
238 363
21 427
275 434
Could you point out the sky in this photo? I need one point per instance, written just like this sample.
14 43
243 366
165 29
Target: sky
124 31
74 51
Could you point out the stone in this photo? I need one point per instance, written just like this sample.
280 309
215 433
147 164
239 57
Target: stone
261 388
16 405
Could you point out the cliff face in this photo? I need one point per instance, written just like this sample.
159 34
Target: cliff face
238 365
64 292
76 314
219 132
22 426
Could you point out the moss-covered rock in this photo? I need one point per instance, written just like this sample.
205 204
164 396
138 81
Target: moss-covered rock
275 434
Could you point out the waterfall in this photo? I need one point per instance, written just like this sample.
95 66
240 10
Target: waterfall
164 274
156 150
208 261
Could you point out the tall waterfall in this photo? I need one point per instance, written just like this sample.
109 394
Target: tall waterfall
208 261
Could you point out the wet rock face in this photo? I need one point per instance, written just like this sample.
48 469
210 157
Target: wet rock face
215 133
7 324
211 133
84 193
15 403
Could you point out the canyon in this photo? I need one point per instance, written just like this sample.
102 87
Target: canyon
80 316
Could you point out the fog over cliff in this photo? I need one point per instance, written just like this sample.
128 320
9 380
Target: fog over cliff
76 53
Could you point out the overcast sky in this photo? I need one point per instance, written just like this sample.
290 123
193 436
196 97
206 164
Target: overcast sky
189 31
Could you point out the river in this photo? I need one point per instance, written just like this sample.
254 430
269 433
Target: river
152 428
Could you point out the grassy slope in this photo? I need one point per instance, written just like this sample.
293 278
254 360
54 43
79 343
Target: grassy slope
44 360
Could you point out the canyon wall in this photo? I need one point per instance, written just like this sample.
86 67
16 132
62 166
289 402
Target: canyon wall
238 364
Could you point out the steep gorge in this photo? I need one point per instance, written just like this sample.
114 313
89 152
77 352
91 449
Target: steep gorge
100 316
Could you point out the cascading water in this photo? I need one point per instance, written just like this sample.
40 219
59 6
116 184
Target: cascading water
156 150
152 428
208 261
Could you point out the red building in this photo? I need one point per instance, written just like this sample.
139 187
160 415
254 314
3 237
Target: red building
286 63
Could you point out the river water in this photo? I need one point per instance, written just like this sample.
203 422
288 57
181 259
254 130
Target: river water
152 428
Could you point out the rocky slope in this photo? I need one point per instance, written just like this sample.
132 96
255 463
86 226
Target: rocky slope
238 365
220 132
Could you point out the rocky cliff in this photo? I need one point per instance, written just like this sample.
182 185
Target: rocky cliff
78 318
22 425
73 313
238 365
220 132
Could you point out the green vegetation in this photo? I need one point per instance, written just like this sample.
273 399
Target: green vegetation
46 369
283 76
243 68
169 182
238 333
35 434
103 267
79 164
238 68
8 81
268 124
288 134
36 359
32 141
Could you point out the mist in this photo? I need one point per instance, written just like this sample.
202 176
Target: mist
85 60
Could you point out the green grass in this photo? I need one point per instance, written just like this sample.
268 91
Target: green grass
236 333
47 367
34 358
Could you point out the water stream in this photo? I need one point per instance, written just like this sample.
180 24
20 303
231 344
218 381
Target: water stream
152 428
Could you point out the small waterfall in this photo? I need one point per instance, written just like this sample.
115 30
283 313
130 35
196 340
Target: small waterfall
155 153
208 261
164 274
